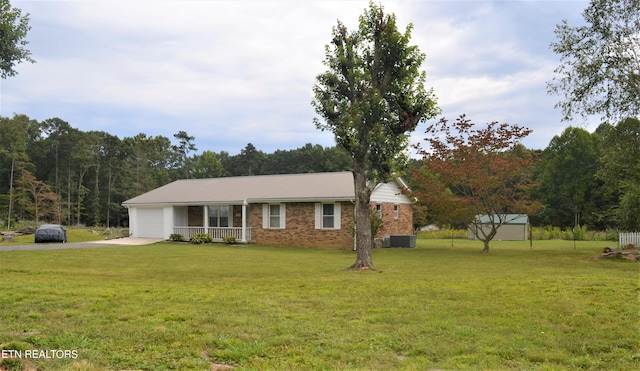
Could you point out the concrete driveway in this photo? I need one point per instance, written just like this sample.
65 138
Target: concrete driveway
128 241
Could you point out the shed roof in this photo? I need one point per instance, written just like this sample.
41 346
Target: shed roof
509 218
259 188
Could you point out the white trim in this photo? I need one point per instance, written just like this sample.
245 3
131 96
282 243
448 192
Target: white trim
266 216
337 213
318 215
283 216
244 222
326 200
205 222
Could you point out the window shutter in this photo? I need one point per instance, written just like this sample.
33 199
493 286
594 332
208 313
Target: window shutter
265 216
336 216
283 216
318 215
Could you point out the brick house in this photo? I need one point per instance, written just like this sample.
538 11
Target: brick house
308 210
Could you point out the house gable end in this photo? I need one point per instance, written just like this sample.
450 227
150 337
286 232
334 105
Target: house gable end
390 193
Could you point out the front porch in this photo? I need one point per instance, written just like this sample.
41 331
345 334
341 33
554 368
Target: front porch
219 221
216 233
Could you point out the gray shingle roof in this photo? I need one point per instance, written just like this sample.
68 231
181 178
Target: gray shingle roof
260 188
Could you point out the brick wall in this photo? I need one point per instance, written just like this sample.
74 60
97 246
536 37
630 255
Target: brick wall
300 228
403 225
195 216
300 225
236 214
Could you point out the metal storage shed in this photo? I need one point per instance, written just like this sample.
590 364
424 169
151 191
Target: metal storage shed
515 228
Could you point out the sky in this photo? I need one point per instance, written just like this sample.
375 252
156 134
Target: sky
235 72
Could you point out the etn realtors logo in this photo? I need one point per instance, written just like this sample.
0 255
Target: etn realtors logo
36 353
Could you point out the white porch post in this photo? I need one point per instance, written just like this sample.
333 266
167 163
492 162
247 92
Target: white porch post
244 221
205 222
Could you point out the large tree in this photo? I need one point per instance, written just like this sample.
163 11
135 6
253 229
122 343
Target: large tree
371 95
41 201
15 135
207 165
600 61
569 189
620 171
472 170
185 145
250 160
13 30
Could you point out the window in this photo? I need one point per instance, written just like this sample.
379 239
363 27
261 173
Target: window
219 216
396 211
327 216
273 216
379 210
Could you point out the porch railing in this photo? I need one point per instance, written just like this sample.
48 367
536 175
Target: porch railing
217 234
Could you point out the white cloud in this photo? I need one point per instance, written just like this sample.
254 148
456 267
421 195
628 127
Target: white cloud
231 72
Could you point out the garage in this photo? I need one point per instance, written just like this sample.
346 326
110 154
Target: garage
148 222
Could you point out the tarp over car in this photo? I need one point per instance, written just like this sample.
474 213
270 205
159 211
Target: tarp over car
50 233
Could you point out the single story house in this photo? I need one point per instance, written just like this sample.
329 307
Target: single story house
309 210
514 228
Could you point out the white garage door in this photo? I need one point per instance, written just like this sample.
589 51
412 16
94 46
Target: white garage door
150 222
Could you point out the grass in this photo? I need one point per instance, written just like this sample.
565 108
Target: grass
538 233
74 234
183 306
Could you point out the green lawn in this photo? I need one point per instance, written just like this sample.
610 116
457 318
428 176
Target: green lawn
183 306
74 234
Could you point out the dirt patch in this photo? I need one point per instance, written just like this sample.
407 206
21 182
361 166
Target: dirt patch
215 366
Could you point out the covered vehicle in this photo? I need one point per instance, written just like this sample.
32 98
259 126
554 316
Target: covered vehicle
51 233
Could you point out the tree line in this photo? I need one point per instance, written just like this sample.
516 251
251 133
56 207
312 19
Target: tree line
53 172
581 178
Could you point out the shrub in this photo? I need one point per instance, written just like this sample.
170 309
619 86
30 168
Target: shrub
200 238
444 233
177 237
229 240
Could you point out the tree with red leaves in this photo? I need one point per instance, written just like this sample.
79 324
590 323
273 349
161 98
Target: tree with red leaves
469 171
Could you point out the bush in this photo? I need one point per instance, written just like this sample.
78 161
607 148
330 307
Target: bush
229 240
580 233
200 238
444 233
177 237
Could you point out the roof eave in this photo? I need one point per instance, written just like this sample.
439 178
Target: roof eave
240 202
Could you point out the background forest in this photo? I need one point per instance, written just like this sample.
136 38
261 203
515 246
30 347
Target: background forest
53 172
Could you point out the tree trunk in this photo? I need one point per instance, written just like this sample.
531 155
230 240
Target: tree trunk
488 237
13 161
486 245
363 216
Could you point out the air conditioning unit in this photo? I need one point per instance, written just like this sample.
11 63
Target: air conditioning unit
400 241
